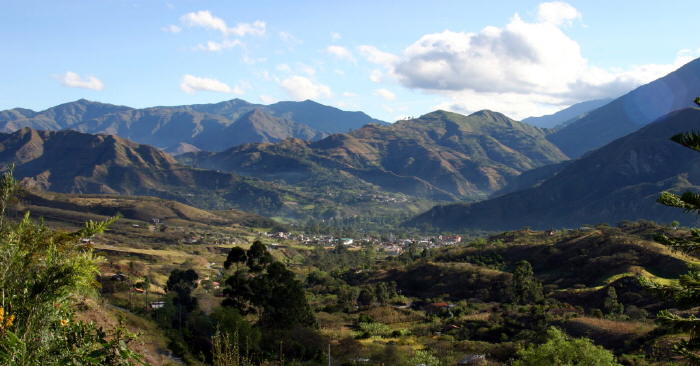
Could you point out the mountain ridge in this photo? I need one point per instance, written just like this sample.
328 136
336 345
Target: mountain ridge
441 155
617 182
631 111
204 126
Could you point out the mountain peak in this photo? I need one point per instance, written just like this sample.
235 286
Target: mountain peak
486 113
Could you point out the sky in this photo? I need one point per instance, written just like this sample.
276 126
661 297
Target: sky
390 59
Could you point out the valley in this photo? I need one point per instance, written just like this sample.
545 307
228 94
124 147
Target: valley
349 184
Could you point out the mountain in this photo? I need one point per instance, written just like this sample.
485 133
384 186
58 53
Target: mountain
72 162
211 127
630 112
67 207
566 115
617 182
439 156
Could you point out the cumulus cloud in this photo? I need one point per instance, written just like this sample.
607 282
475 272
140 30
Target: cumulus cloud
192 84
385 93
302 88
213 46
73 80
205 19
534 65
340 52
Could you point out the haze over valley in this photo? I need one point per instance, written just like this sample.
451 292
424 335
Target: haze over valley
320 183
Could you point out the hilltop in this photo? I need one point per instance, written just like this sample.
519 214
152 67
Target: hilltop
617 182
439 156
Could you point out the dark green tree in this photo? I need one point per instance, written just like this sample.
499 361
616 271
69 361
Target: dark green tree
687 293
181 284
366 297
527 289
235 256
257 257
269 289
611 304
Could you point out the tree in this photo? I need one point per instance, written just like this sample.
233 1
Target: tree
688 291
526 288
257 257
611 304
181 284
271 290
236 255
560 350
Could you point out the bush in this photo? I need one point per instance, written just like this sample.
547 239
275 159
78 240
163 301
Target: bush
561 350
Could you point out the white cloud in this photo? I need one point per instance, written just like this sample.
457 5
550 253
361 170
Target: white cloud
205 19
340 52
213 46
301 88
256 28
557 13
534 66
73 80
283 68
376 56
349 94
192 84
385 93
172 28
336 36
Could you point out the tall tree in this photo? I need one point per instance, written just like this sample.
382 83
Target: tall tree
527 289
688 291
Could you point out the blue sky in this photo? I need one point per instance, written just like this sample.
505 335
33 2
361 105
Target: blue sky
519 57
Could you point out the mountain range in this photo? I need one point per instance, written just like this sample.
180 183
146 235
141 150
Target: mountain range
629 112
211 127
73 162
567 115
617 182
439 156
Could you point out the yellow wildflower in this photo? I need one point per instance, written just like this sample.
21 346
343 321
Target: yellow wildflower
5 322
64 322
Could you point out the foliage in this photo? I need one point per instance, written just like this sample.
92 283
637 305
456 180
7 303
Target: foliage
689 292
611 304
271 290
559 350
526 288
42 273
